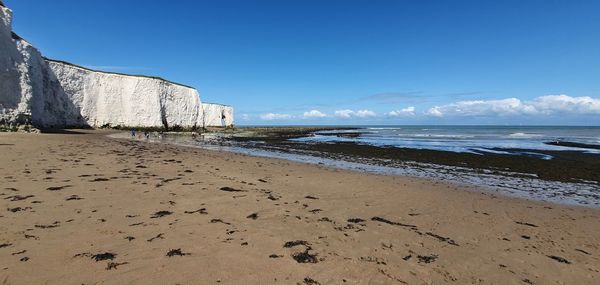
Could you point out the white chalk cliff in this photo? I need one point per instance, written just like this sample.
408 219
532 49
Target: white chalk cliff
49 93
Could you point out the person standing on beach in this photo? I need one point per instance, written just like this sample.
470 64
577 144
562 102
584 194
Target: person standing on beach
133 133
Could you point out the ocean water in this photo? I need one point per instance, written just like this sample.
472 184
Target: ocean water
472 139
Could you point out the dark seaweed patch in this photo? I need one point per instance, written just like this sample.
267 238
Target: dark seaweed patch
176 252
113 265
559 259
160 214
18 197
229 189
310 281
103 256
158 236
296 243
379 219
355 220
213 221
427 258
441 238
304 257
200 211
58 188
253 216
99 179
527 224
73 197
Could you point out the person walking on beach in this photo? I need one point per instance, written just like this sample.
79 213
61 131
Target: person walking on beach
133 133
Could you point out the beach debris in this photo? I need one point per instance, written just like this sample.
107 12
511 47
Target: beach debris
53 225
73 197
406 258
103 256
442 239
310 281
262 180
213 221
355 220
229 189
253 216
275 256
200 211
160 214
23 259
583 251
304 257
129 238
379 219
18 209
158 236
5 245
31 236
311 197
19 252
427 258
99 179
526 224
176 252
559 259
18 197
58 188
113 265
296 243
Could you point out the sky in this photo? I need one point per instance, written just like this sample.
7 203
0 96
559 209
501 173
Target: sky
344 62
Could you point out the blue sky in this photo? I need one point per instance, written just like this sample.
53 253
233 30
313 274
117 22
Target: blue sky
344 62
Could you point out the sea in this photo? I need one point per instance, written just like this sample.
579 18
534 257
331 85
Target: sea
472 139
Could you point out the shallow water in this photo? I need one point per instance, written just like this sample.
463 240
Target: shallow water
471 139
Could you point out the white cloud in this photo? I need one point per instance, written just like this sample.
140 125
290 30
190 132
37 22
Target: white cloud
544 105
343 113
565 104
350 113
245 117
274 116
408 111
365 114
314 114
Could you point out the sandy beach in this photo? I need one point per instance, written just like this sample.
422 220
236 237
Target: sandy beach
81 208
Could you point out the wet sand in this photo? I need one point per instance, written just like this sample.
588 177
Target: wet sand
81 208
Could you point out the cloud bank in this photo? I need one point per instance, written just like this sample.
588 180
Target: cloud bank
406 112
543 105
549 107
275 116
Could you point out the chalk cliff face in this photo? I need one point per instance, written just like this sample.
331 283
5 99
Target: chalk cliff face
20 73
217 115
109 99
50 93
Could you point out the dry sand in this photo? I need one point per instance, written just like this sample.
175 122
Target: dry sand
86 209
